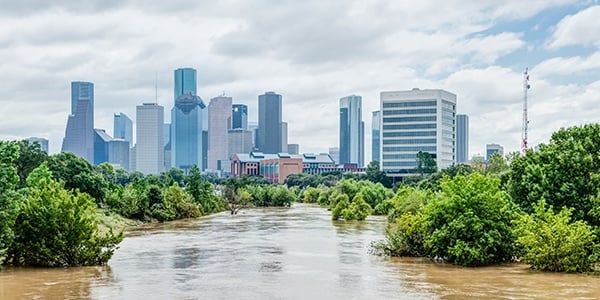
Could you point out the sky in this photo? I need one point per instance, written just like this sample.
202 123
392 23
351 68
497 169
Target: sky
312 52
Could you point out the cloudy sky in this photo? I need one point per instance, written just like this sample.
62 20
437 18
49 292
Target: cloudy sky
312 52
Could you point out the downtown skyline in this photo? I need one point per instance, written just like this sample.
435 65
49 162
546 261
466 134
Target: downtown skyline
480 58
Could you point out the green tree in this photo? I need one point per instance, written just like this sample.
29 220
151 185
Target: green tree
425 163
343 203
78 174
311 195
56 227
9 152
470 223
565 173
375 175
496 164
553 243
235 196
30 157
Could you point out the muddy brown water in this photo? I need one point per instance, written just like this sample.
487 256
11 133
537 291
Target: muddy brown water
295 253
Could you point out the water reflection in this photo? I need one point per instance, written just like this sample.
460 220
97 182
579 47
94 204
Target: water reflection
296 253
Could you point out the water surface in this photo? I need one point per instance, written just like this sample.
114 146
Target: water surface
278 253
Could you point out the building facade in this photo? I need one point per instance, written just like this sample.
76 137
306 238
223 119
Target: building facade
351 130
491 149
118 153
123 128
293 148
185 82
375 138
149 149
284 136
269 123
239 141
239 116
79 133
462 138
334 152
101 140
417 121
219 118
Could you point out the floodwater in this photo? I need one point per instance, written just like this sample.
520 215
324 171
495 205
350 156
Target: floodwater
278 253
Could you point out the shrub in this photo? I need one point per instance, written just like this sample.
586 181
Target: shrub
553 243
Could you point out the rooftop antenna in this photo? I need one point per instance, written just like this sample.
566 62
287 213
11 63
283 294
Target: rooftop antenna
526 87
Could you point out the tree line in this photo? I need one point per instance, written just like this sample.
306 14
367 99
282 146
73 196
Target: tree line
49 204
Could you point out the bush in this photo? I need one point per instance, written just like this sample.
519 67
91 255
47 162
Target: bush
552 243
311 195
404 237
56 227
357 209
470 223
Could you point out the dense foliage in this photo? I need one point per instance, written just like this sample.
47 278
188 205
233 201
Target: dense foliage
470 222
56 227
553 243
8 197
566 173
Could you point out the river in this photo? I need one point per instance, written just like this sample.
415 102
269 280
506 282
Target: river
280 253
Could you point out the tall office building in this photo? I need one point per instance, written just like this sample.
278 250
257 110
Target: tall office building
413 121
239 116
239 141
491 149
79 134
118 153
219 118
462 138
253 127
284 136
269 123
185 82
101 141
375 138
189 123
41 141
149 148
123 128
352 130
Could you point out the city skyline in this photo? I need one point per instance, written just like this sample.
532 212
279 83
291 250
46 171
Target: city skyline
479 53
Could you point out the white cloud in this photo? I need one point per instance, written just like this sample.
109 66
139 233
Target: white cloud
312 52
582 28
567 65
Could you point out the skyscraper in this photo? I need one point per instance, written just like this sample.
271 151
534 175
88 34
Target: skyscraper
491 149
239 116
185 82
413 121
79 134
269 123
219 118
240 141
293 148
189 123
149 146
462 138
101 141
351 131
375 139
123 128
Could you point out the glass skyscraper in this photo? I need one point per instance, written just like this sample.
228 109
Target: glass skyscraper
375 139
79 134
189 123
123 128
269 123
352 130
185 82
462 138
239 116
413 121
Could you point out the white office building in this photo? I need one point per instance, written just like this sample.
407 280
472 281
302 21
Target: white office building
149 156
413 121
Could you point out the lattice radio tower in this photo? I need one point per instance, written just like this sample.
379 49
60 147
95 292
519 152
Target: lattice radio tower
526 87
